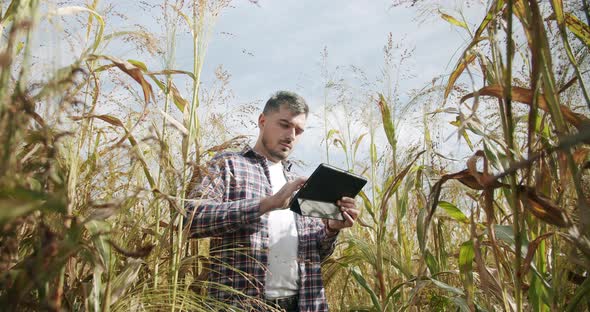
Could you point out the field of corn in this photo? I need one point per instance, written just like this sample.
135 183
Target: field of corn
98 152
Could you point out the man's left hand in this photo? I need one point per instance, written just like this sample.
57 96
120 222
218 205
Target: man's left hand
348 207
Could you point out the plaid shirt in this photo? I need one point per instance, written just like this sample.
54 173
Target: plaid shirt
229 214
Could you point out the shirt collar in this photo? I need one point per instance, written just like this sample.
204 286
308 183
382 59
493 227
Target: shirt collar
249 152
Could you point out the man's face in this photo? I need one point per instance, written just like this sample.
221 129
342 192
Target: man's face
279 132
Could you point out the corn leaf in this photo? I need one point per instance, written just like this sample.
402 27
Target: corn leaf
577 27
431 262
526 96
388 125
356 273
116 122
542 208
453 211
132 70
466 257
459 68
453 20
447 287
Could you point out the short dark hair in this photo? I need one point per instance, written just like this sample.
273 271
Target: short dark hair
293 101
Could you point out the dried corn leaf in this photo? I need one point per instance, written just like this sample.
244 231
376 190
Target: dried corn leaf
532 247
526 96
459 68
542 207
133 70
577 27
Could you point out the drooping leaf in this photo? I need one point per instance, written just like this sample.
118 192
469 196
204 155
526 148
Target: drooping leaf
356 273
116 122
172 72
452 20
141 252
392 186
462 304
447 287
531 251
453 211
526 96
357 142
125 279
459 68
179 101
542 207
468 56
577 27
457 123
505 233
20 202
368 205
132 70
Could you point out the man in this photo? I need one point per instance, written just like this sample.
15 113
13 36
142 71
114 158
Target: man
259 248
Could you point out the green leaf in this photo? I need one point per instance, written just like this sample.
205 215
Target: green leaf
582 292
573 24
453 211
10 11
357 142
368 205
96 229
356 273
420 227
505 233
331 133
13 208
466 256
431 262
125 279
461 303
468 56
581 30
19 202
141 65
447 287
373 153
453 20
388 125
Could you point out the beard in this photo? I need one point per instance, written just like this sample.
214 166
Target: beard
277 153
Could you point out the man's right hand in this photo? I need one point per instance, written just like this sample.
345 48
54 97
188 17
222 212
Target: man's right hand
281 199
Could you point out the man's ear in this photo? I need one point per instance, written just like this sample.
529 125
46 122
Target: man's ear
261 121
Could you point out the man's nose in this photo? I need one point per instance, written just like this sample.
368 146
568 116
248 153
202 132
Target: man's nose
291 134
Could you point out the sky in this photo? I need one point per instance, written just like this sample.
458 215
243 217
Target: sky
277 45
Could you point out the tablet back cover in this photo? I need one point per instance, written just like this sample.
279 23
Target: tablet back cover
326 185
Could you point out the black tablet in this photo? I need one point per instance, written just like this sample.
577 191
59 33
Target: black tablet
327 184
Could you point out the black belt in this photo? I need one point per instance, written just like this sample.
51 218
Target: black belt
288 303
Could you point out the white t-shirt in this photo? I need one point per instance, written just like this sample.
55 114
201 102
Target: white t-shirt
282 278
